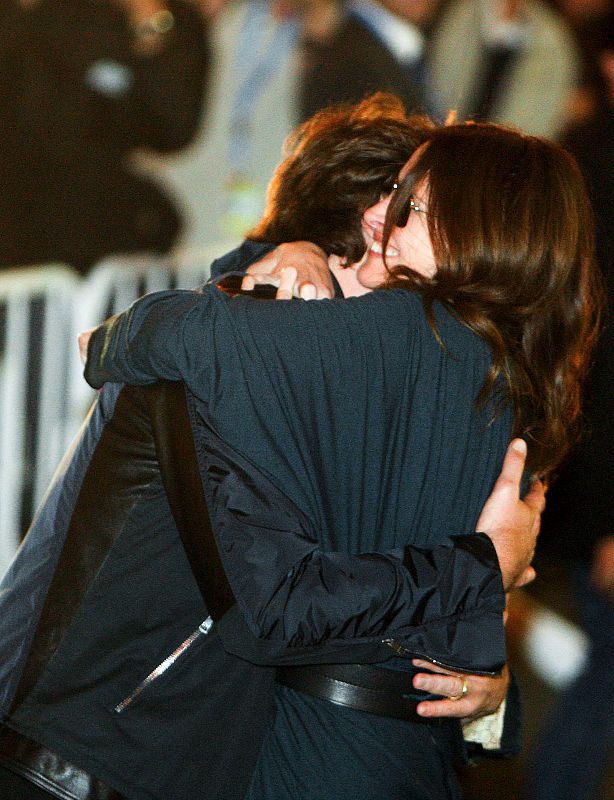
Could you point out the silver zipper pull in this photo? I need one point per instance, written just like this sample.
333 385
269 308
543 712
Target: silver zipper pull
202 630
398 648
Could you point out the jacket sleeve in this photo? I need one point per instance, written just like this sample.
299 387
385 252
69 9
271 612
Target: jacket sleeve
115 347
444 604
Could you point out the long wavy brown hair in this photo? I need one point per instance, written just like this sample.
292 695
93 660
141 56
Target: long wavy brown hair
336 166
512 233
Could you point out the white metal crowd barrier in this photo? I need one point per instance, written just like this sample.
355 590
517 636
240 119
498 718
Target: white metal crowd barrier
35 315
43 397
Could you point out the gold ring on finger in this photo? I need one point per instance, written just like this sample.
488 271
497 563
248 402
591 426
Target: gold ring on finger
463 692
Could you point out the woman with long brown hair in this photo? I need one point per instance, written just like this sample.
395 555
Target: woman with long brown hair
388 415
508 234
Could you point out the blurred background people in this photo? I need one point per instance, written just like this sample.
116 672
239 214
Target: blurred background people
84 83
507 61
588 19
275 63
220 180
374 46
576 746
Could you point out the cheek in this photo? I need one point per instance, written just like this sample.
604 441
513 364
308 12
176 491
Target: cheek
417 250
425 260
427 248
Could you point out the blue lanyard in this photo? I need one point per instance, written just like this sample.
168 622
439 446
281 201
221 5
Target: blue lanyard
257 62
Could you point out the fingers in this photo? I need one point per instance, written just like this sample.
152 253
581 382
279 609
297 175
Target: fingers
84 340
525 578
513 467
513 524
458 709
307 291
289 286
536 497
323 291
484 693
267 265
447 685
421 664
501 507
310 264
450 686
287 282
248 283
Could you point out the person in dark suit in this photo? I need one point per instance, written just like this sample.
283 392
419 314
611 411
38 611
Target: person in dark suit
374 46
84 85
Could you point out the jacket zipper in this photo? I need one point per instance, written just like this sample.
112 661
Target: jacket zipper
202 630
404 652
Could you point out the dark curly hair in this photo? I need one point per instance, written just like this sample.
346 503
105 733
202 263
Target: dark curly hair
337 165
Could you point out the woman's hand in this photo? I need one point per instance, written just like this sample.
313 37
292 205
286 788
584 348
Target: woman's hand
477 695
299 269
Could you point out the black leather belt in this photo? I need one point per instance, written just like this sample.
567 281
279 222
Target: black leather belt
385 692
49 771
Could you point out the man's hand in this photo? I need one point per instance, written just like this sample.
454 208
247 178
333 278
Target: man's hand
484 694
299 269
84 340
511 523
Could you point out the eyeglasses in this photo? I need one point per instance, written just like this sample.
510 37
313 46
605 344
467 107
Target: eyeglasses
411 206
